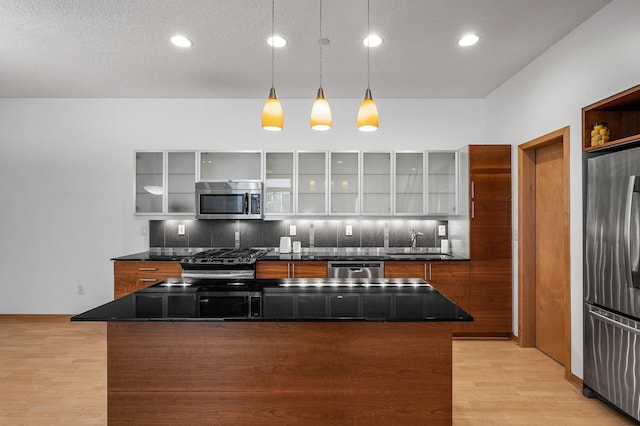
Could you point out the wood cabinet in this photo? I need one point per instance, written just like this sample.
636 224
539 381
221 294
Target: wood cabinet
130 276
449 278
621 112
291 269
490 246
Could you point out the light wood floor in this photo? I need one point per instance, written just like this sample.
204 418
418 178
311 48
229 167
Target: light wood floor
53 372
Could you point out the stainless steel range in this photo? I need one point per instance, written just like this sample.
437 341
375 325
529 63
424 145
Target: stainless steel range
222 263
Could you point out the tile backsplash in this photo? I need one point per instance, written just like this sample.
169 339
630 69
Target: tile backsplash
311 233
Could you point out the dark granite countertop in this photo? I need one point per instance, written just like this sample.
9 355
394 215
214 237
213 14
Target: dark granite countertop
322 254
322 299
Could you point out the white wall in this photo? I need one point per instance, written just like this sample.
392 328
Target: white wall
598 59
67 166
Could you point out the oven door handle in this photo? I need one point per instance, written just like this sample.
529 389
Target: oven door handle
248 274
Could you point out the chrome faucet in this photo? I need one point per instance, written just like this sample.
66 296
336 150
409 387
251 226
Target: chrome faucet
414 237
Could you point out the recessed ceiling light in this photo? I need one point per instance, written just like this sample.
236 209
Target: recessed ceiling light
181 41
468 40
372 40
276 41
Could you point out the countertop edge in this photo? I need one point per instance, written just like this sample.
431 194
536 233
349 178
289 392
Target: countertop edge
147 256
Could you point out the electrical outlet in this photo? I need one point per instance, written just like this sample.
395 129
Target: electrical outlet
181 229
292 230
80 290
348 230
442 230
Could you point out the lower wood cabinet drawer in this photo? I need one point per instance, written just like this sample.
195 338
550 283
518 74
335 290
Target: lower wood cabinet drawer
131 276
134 267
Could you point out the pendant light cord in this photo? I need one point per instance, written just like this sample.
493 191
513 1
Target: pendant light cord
320 41
273 6
368 46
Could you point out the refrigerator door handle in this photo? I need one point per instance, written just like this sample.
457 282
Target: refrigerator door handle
615 323
632 254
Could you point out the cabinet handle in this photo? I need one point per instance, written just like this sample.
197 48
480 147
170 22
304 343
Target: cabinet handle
473 189
288 270
148 280
473 210
293 270
425 272
147 269
429 272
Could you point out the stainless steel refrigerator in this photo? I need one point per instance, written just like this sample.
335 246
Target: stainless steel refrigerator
612 279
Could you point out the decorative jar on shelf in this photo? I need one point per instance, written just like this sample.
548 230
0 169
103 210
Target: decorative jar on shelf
599 134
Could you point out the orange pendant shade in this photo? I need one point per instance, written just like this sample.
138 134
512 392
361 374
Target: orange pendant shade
321 113
368 114
272 115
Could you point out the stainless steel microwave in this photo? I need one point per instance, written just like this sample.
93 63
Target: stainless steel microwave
229 200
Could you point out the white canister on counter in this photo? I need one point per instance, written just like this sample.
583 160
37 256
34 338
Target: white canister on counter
285 244
444 246
297 246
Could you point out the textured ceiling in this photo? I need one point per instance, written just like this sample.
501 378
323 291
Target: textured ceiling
120 48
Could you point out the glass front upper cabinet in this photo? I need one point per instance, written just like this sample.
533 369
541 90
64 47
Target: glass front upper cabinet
376 183
344 185
442 183
149 182
225 166
409 183
312 183
181 178
279 183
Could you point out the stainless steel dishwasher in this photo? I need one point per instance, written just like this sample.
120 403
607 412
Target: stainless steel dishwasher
355 269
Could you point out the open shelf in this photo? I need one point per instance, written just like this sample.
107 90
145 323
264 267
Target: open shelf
621 112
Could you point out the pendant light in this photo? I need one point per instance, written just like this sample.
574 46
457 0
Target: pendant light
368 112
320 111
272 115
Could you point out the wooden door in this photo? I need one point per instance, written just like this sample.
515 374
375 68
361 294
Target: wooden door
272 269
312 269
550 287
405 269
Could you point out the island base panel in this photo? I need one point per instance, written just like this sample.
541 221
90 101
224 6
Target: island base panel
284 373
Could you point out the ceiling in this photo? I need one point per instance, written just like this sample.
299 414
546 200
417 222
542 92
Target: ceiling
121 48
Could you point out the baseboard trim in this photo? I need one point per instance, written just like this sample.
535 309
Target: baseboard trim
574 380
515 339
36 317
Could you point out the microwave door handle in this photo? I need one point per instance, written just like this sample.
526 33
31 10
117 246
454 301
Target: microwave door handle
246 203
632 253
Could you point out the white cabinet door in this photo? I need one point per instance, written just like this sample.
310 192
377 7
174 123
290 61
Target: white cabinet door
312 183
409 183
181 179
149 188
279 185
442 183
230 166
376 183
344 185
165 183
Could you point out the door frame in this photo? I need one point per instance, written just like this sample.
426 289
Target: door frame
527 241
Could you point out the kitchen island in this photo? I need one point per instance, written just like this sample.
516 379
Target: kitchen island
296 351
